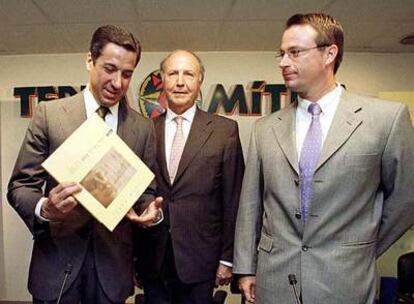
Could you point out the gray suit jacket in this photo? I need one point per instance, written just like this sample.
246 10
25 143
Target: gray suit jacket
201 205
363 201
58 244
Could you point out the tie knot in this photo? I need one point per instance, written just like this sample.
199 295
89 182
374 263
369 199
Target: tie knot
102 111
314 108
178 120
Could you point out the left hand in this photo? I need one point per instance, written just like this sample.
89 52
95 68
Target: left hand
150 214
223 275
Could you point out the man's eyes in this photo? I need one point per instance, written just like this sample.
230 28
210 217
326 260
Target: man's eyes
109 68
185 73
294 52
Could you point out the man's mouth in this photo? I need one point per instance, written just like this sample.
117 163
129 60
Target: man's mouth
111 93
288 75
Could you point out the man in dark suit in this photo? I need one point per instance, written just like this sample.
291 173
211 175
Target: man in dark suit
67 239
329 180
199 174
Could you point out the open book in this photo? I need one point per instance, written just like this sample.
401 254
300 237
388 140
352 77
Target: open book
111 175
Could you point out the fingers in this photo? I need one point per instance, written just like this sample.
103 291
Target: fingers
60 201
156 204
247 286
158 201
63 190
145 219
223 275
150 215
222 281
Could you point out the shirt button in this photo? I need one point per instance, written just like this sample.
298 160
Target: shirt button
305 248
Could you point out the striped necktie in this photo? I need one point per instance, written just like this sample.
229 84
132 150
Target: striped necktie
176 148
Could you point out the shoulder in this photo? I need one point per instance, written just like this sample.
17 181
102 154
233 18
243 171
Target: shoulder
217 119
53 109
371 102
62 102
286 113
373 107
135 116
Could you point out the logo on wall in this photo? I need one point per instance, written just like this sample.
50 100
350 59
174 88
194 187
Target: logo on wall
152 100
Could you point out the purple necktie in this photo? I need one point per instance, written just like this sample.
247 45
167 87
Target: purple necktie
309 157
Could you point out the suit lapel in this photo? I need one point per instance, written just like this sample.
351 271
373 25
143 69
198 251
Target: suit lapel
75 114
125 121
161 160
284 130
200 131
345 122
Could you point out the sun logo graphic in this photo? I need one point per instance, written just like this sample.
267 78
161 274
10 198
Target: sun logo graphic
151 97
152 100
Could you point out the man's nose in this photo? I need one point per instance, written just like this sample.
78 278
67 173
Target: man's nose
284 61
180 79
117 80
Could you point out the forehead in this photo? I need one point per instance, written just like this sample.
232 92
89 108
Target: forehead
117 55
182 61
298 35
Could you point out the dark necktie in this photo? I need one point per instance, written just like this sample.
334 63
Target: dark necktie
102 111
309 157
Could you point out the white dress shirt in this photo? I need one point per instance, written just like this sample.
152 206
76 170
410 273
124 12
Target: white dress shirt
171 128
329 103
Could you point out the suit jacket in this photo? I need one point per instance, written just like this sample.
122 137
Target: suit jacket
201 205
60 244
363 201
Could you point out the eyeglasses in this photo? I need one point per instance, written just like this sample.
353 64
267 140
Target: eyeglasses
294 53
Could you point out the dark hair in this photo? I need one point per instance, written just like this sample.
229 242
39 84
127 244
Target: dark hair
113 34
200 63
329 31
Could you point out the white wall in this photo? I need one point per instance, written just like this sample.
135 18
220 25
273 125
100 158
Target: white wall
362 73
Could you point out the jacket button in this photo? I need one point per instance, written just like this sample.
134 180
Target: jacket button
298 215
305 248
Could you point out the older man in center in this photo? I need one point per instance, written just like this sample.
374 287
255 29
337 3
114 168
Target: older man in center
200 170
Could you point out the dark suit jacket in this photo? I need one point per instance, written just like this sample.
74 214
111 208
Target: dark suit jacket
201 205
58 244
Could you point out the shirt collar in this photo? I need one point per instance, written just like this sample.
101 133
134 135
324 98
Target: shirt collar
92 105
326 102
188 115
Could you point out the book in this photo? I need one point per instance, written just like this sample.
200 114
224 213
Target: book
111 175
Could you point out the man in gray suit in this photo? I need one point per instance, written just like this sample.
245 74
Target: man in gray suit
328 184
199 174
74 254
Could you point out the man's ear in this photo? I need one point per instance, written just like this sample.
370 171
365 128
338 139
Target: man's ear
331 53
89 61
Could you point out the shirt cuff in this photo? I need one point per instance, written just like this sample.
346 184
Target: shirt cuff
225 263
38 210
158 220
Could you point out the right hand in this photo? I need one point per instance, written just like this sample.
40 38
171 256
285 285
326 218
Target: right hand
247 286
60 201
150 214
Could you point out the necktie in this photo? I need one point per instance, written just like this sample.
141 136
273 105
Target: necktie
309 157
176 148
102 111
